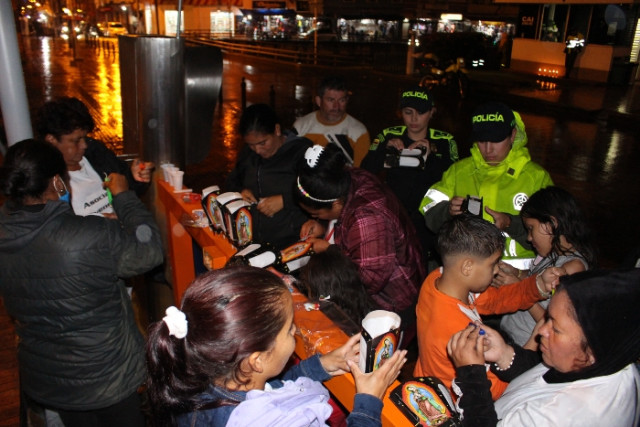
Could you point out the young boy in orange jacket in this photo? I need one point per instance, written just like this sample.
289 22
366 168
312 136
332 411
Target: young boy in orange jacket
459 292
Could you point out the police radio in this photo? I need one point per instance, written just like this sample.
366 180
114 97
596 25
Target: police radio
472 205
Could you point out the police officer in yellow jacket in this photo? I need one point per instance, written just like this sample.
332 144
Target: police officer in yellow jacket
427 154
499 171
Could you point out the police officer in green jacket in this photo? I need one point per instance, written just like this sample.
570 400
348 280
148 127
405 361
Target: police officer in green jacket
499 171
412 157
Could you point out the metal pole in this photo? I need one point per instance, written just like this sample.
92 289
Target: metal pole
411 53
179 23
157 12
272 97
315 34
243 94
13 95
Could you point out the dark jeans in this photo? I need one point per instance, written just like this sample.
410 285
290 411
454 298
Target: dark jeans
126 413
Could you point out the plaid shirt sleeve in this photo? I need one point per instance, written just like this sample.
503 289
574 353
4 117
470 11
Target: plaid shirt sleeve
371 246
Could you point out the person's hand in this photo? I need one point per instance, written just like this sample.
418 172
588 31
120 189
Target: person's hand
495 348
141 171
271 205
422 143
311 228
377 382
336 362
395 143
319 245
532 343
549 279
467 346
247 195
500 219
455 205
110 215
116 183
506 275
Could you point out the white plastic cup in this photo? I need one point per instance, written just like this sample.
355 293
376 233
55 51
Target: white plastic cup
176 179
165 170
169 176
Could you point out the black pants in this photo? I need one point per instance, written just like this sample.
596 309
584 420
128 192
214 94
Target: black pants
126 413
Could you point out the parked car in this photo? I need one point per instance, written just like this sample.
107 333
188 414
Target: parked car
113 29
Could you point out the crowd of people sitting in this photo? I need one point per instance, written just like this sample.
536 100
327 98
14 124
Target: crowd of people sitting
490 267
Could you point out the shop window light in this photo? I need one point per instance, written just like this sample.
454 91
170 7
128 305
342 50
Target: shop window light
635 45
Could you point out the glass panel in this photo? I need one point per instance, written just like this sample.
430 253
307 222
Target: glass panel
579 20
611 24
553 20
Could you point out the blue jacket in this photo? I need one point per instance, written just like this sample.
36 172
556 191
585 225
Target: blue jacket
366 409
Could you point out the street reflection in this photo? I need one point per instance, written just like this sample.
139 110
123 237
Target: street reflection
107 92
229 136
46 66
613 153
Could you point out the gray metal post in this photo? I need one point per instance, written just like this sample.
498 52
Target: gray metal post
13 95
152 87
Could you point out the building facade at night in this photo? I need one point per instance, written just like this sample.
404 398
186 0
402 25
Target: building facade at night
527 35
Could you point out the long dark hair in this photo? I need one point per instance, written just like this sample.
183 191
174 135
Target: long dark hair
231 313
320 184
559 209
332 273
28 168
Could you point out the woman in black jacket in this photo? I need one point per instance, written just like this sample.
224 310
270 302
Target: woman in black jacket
266 170
80 351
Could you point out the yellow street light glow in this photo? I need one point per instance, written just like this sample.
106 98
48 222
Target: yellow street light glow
451 17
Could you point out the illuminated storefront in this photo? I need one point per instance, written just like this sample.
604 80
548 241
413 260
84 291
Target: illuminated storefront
543 29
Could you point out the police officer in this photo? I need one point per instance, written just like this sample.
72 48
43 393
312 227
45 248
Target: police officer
499 171
409 175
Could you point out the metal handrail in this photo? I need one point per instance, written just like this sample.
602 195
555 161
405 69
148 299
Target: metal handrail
301 54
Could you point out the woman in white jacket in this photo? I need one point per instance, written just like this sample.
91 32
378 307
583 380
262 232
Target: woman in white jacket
589 342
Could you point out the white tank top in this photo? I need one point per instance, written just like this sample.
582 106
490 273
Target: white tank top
87 195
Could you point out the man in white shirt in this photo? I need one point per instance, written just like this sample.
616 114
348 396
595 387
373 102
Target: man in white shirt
331 123
65 123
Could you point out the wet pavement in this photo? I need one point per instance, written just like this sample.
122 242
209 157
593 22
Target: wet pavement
586 135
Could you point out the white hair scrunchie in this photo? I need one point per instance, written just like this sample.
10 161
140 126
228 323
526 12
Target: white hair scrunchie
312 154
176 321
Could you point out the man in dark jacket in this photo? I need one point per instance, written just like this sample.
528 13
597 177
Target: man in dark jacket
65 123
